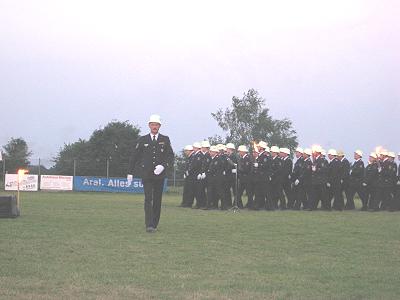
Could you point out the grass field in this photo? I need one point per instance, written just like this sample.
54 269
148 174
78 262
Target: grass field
94 246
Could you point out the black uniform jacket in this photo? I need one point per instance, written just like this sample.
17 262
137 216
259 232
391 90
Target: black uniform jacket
334 172
357 171
148 154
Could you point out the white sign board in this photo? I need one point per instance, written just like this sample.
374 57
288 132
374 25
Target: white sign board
56 182
27 182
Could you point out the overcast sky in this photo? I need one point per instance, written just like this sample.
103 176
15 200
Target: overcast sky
70 67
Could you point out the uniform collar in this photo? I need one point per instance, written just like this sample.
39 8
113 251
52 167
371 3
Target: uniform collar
151 136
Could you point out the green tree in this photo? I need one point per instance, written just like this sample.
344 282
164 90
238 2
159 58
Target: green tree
248 120
77 153
113 143
16 155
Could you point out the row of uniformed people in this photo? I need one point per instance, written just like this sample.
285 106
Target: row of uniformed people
271 181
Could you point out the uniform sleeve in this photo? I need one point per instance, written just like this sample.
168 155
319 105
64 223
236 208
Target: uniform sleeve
135 156
169 154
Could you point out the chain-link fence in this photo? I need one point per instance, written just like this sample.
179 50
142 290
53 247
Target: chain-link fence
75 167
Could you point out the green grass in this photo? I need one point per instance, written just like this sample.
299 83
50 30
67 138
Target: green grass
94 246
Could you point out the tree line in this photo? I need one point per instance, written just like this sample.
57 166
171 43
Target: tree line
246 120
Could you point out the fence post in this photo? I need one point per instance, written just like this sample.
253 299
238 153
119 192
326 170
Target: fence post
108 167
74 167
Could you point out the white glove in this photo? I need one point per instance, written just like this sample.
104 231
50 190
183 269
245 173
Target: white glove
187 173
314 168
256 165
184 176
328 184
223 172
289 177
203 176
129 178
398 182
199 177
364 184
341 181
234 171
159 169
296 183
379 169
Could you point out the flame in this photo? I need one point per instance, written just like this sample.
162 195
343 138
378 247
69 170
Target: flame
21 173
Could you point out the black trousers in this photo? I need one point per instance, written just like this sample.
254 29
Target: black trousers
188 192
246 185
153 188
320 193
335 193
303 196
260 194
362 193
200 192
216 193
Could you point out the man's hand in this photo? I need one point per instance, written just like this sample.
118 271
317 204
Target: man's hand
256 165
296 183
129 177
328 184
234 171
159 169
203 176
199 177
364 184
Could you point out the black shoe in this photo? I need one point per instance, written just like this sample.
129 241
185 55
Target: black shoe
151 229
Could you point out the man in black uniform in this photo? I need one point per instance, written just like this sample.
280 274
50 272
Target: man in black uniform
262 175
370 182
397 198
295 175
205 151
304 182
189 178
152 155
357 173
276 179
385 178
245 165
287 166
216 177
334 177
197 166
230 188
345 166
393 182
319 180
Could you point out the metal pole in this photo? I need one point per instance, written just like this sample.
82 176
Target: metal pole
74 167
39 168
108 167
174 175
4 172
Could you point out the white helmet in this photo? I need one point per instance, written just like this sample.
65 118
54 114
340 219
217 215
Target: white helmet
188 148
263 145
285 150
230 146
196 145
205 144
243 148
155 119
300 150
359 152
332 152
307 151
275 149
214 149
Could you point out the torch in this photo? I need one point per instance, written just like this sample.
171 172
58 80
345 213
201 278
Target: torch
21 173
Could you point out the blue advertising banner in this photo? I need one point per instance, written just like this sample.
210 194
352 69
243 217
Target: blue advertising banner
113 185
